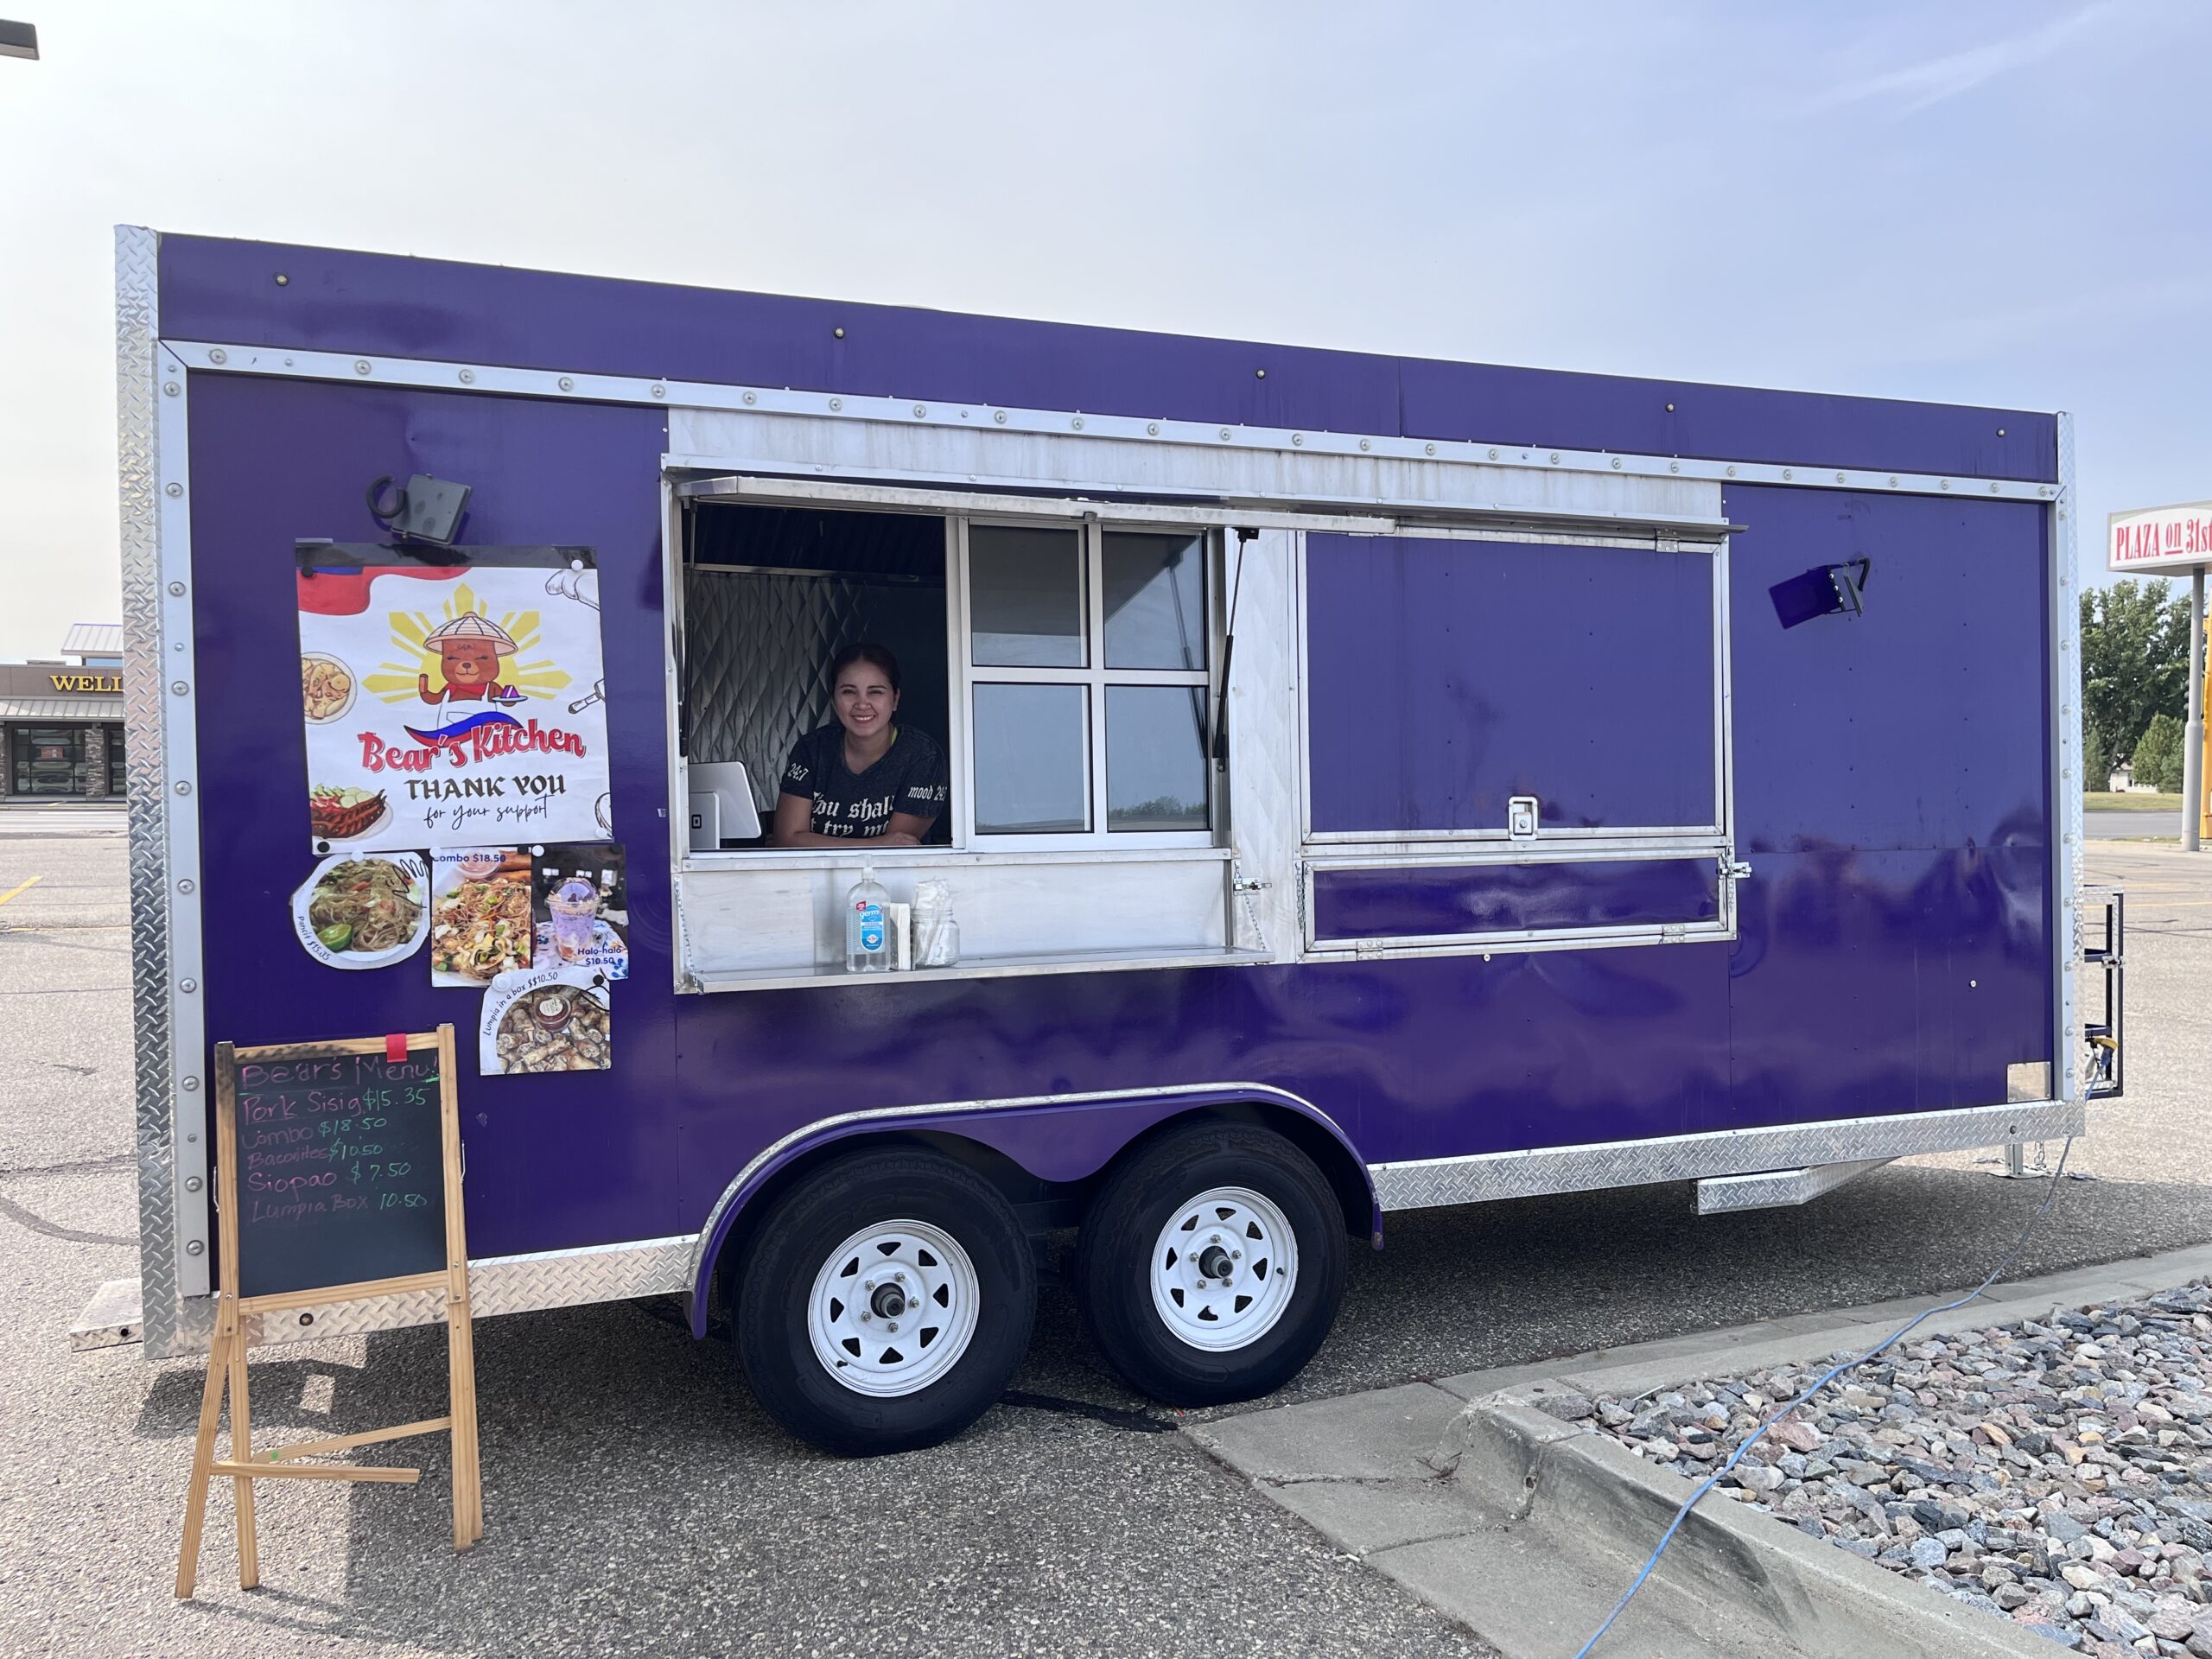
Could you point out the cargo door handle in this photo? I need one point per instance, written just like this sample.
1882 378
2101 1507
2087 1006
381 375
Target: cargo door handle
1735 869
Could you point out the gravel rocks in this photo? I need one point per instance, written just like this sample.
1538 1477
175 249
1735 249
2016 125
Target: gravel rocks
2057 1473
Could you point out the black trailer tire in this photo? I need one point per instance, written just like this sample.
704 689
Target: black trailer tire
1245 1202
855 1275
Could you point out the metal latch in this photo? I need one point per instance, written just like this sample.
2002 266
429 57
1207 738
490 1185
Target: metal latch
1249 884
1520 818
1734 869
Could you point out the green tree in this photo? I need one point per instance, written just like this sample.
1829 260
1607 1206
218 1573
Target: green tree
2096 768
2157 754
2134 661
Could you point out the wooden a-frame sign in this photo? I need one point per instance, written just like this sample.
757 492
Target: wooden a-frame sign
320 1221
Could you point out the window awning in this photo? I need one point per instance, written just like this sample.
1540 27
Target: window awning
96 709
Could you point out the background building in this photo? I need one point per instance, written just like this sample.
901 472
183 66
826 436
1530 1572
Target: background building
62 720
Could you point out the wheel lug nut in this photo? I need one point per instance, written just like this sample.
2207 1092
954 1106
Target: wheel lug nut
1237 1255
891 1325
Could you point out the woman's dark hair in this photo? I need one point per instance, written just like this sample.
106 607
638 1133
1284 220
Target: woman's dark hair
869 653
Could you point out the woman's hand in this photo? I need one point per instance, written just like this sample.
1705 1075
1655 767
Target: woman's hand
898 838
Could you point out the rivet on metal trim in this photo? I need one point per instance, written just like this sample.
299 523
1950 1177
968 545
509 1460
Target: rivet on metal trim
660 392
1493 454
174 490
566 384
1151 430
1993 489
172 389
1731 472
1944 484
1224 434
1674 465
1077 423
1000 417
282 280
1555 457
360 365
1298 437
1839 477
218 355
1617 463
192 1183
176 590
468 377
191 1085
920 409
184 786
836 403
1260 374
1893 483
185 886
1670 409
1787 474
2000 431
837 333
187 986
194 1246
1363 443
752 397
178 687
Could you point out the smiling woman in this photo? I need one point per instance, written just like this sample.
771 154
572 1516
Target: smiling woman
866 777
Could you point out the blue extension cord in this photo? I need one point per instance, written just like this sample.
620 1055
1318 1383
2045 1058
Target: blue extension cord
1828 1376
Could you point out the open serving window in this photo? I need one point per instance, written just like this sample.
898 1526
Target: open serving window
1068 669
1514 742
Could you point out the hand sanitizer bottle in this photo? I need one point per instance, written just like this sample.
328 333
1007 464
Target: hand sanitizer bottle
867 925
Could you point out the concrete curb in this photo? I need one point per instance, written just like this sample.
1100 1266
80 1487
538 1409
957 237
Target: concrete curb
1803 1594
1527 1527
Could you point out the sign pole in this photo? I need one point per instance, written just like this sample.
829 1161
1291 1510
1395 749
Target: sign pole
2192 743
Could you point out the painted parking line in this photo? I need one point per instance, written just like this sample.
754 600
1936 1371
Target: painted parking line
21 886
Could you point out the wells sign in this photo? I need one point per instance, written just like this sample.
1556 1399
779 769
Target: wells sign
2158 539
86 682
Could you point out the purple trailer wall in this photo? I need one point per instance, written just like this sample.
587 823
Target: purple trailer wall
1891 783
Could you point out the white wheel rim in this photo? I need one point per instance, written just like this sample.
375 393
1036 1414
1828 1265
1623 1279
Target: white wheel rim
1223 1269
893 1308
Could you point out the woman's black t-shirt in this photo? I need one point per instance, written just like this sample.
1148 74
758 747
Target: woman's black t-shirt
910 777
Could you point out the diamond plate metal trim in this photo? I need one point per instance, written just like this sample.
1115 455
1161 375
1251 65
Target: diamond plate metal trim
499 1284
137 456
1427 1183
1778 1189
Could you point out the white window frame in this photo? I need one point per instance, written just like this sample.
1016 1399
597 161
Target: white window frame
1094 676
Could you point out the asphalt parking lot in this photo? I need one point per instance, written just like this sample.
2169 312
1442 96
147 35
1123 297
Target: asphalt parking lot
638 1502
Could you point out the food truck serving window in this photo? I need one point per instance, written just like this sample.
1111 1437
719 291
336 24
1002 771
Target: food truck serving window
1060 674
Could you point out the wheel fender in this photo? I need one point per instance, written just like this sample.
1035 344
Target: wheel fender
1063 1138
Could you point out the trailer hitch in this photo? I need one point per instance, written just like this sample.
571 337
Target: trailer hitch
2104 1074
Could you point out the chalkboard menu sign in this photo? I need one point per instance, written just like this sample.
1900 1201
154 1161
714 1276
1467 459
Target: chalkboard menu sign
337 1180
339 1165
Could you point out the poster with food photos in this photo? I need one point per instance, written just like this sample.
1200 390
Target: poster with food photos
546 1020
480 914
579 901
451 697
363 909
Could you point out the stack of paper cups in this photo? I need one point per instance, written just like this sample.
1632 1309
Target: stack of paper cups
936 936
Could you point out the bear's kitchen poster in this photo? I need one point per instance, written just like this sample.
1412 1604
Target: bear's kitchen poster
452 696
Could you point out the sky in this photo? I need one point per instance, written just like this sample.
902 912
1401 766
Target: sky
1964 202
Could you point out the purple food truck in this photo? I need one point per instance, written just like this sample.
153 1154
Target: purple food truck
1284 786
